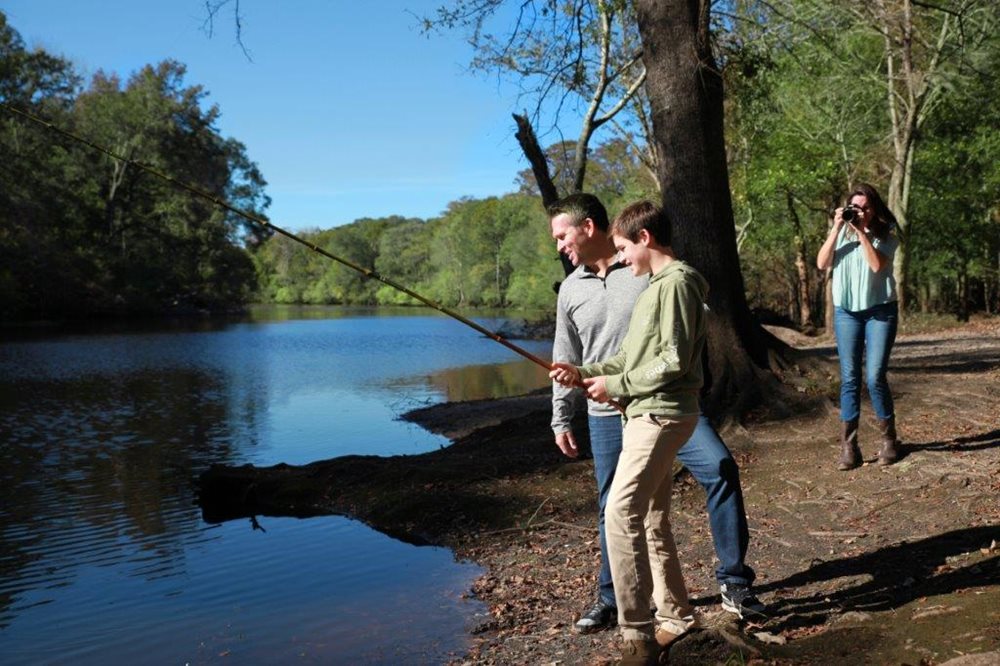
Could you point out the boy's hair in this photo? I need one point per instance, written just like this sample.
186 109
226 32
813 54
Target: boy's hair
579 206
643 215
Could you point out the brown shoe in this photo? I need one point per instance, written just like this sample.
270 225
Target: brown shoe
640 652
850 452
889 453
664 637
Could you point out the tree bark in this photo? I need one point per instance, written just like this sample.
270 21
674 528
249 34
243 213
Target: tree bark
801 265
536 157
685 92
540 168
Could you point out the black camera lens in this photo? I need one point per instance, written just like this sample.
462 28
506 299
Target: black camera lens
849 213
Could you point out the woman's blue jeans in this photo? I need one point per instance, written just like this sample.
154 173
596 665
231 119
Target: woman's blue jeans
712 466
870 333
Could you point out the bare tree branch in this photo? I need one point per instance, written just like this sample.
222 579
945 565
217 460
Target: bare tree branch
536 157
212 9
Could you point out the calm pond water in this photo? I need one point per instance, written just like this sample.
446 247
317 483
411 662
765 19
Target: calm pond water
104 556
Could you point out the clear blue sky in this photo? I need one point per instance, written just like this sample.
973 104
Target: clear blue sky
348 110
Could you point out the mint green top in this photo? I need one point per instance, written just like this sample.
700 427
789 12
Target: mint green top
657 370
856 286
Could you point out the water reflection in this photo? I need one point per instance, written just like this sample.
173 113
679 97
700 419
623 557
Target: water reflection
257 597
103 555
478 382
90 467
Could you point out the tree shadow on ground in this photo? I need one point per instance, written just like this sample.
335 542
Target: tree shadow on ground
925 342
890 577
979 355
986 440
948 364
976 355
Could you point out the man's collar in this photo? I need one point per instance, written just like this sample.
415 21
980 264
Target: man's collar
587 270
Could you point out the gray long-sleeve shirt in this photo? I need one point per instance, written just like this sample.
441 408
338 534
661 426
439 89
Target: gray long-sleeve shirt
592 315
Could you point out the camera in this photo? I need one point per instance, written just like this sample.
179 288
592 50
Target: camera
850 213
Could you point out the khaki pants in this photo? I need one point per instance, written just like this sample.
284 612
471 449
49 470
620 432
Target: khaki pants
641 546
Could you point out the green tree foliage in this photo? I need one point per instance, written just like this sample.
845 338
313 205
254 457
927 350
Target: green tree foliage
404 255
807 84
36 213
358 242
85 233
794 138
956 243
529 249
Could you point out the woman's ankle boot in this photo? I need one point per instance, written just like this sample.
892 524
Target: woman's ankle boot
889 452
850 453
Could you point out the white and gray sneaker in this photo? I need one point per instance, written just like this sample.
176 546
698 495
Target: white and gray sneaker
742 602
600 616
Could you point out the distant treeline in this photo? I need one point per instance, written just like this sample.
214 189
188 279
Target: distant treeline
493 252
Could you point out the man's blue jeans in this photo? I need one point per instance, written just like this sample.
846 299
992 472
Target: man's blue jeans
712 466
870 332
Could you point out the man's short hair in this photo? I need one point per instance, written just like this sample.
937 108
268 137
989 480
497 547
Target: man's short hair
643 215
579 206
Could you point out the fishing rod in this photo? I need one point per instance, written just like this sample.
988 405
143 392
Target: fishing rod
256 219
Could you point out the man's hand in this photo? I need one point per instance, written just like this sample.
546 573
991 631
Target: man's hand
566 374
567 443
596 389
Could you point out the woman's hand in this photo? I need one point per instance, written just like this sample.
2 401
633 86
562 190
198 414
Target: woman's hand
838 220
824 258
566 374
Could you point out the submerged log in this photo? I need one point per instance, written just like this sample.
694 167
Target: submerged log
231 493
228 492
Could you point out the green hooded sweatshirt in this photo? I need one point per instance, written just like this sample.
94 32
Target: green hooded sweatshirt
658 368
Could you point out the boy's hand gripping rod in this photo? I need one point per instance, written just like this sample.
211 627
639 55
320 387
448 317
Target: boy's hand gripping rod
256 219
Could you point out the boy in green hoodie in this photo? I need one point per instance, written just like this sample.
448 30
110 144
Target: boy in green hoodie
657 375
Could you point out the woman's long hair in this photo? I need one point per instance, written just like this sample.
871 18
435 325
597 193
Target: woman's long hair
884 222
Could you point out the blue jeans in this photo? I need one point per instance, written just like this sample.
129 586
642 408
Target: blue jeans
712 466
870 332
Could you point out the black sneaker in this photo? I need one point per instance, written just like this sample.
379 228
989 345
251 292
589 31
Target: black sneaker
741 601
600 616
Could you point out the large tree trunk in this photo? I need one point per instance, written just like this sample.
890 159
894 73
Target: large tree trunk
685 92
898 200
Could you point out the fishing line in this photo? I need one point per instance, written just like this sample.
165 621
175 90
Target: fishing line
256 219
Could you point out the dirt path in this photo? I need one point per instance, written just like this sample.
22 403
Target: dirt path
883 565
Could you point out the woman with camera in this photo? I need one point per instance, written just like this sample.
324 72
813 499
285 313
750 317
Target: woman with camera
860 248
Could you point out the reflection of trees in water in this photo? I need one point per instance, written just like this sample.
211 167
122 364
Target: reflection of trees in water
98 470
489 381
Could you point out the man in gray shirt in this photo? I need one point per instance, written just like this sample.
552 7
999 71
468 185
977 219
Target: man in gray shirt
592 315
